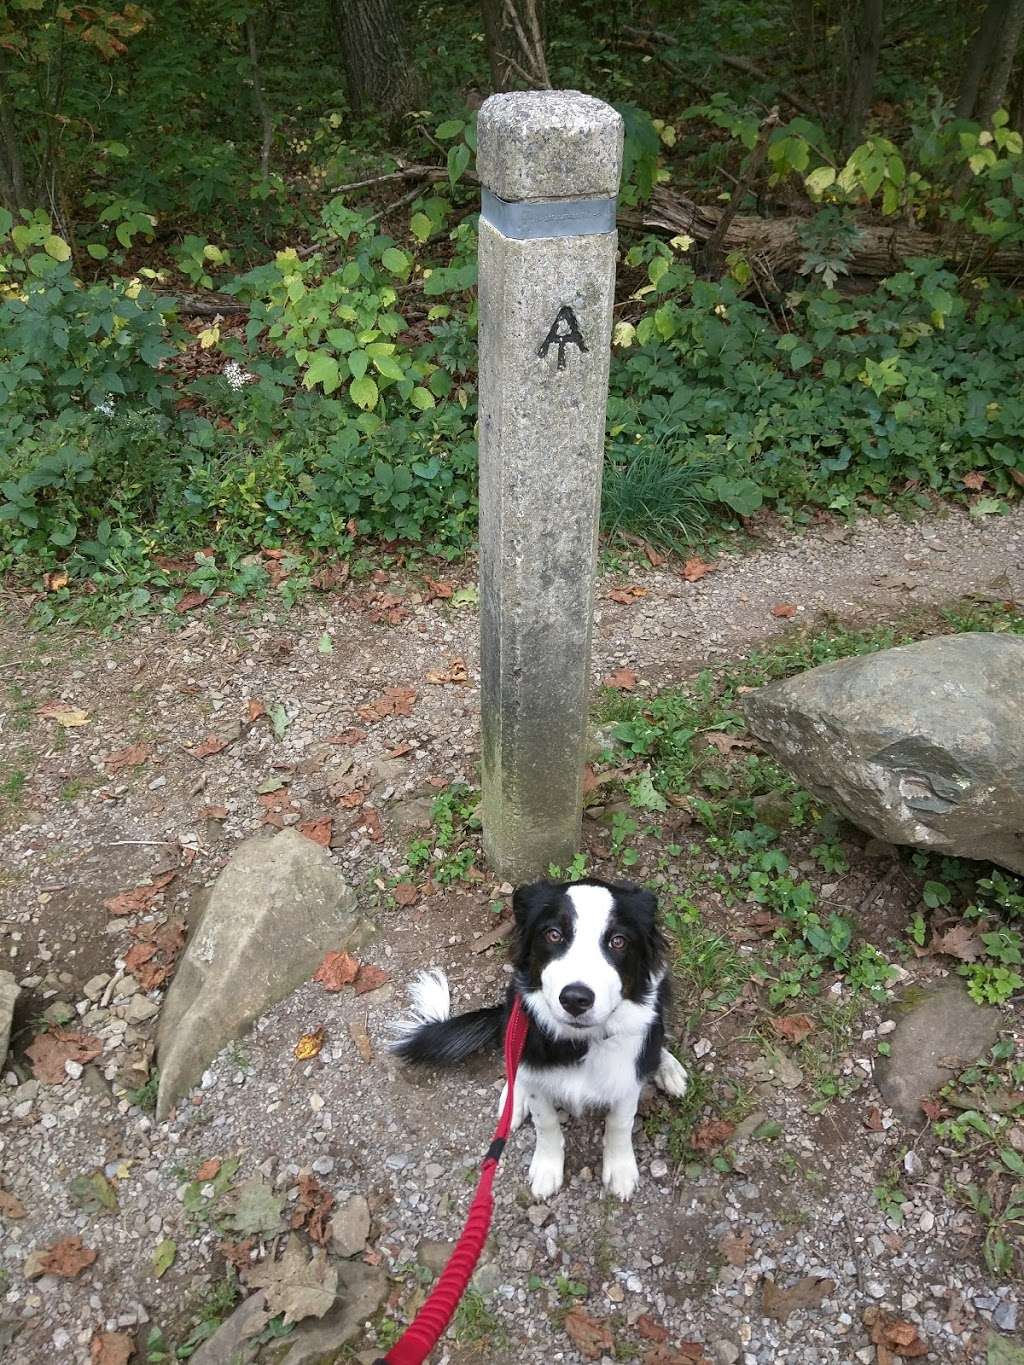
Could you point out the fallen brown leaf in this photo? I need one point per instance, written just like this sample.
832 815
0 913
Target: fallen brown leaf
370 978
793 1027
735 1247
10 1205
309 1045
686 1353
215 812
396 701
650 1330
63 714
349 737
313 1208
696 568
894 1335
873 1119
960 942
711 1133
627 597
654 557
141 898
592 1337
374 827
932 1109
255 710
405 894
209 1170
66 1258
718 739
128 758
350 800
111 1348
975 480
357 1032
209 746
623 679
808 1292
455 672
336 970
238 1253
319 830
437 589
49 1051
785 611
190 601
55 580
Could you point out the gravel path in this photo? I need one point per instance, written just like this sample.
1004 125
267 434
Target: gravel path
688 1262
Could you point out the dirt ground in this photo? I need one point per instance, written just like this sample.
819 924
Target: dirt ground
348 715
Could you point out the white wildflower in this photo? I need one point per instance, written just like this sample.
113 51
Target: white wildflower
236 376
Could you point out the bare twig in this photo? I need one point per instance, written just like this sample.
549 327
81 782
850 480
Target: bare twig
261 103
406 173
530 80
399 203
747 176
883 883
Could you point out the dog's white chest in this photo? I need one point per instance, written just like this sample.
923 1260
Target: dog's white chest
606 1075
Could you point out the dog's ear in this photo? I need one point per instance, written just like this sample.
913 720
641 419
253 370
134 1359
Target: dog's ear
639 905
528 900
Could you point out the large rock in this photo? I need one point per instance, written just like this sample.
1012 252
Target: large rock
921 745
277 907
320 1341
8 999
940 1032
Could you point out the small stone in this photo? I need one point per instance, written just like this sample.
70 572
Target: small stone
140 1009
538 1214
433 1255
350 1227
659 1169
398 1161
875 1289
73 1069
433 1171
725 1352
323 1165
1005 1316
702 1047
886 1026
616 1293
94 987
927 1221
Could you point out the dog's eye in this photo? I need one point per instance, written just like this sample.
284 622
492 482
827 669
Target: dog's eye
617 942
553 935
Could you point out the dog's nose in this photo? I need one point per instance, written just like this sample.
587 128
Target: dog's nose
576 999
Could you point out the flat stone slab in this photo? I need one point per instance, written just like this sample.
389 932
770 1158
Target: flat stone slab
939 1032
919 745
8 999
277 907
361 1291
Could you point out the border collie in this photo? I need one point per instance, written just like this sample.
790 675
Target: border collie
589 967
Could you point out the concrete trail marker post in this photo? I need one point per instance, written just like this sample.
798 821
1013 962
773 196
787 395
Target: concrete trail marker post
549 163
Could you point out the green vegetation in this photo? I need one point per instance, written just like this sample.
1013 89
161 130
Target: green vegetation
227 333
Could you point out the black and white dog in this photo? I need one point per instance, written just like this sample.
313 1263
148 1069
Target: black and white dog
589 966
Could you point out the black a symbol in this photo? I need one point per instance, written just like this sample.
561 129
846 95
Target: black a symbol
564 329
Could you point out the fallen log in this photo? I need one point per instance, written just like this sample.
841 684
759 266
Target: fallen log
772 245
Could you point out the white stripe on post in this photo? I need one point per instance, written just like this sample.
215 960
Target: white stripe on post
550 163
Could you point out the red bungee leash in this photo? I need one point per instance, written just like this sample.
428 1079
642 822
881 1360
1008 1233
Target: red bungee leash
424 1332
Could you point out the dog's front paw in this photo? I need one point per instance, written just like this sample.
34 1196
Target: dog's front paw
620 1176
520 1108
546 1175
671 1076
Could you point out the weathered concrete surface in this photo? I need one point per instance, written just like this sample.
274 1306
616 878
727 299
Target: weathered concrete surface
545 336
920 745
8 999
276 908
549 144
939 1033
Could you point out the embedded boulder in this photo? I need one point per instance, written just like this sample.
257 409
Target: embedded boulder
8 999
277 907
922 744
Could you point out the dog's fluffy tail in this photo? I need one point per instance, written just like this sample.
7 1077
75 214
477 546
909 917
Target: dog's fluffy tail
429 1035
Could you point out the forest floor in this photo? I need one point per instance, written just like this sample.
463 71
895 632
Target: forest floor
809 1181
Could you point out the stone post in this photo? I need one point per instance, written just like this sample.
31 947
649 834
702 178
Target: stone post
549 162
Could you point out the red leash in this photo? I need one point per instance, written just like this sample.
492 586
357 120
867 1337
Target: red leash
424 1332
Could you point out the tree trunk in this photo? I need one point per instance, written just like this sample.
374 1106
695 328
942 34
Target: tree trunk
979 56
514 34
867 46
12 174
1004 51
379 78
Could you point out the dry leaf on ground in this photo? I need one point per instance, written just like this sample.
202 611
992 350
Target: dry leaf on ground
348 737
294 1286
785 611
696 568
55 580
63 714
336 970
190 601
686 1353
370 979
111 1348
396 701
893 1336
319 830
960 942
357 1032
10 1205
209 746
313 1208
66 1258
735 1247
592 1337
711 1133
454 672
650 1330
405 894
141 898
974 480
49 1051
626 597
209 1170
623 679
128 758
808 1292
718 739
309 1045
793 1027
